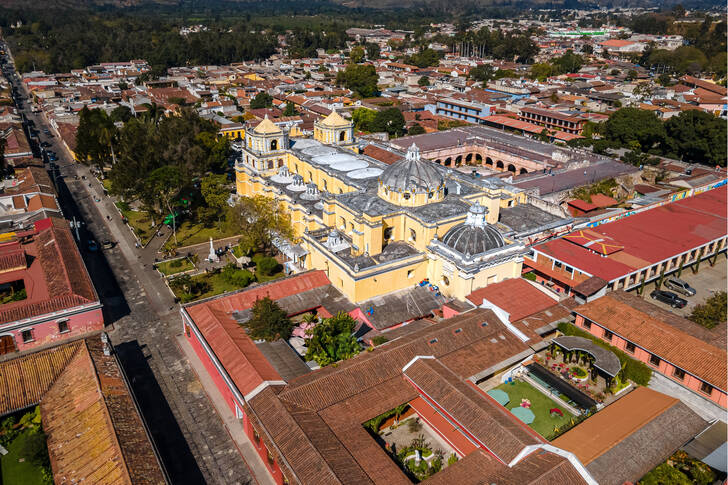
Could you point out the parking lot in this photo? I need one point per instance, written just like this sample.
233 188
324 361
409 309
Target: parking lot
706 281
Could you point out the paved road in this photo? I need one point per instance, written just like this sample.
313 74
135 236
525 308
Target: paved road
195 446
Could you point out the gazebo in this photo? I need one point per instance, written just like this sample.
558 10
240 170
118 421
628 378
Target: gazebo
603 362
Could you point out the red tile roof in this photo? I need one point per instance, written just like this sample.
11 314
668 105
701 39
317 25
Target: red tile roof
516 296
681 349
56 278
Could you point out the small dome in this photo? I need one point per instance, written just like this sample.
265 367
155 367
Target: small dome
267 127
412 174
474 236
334 120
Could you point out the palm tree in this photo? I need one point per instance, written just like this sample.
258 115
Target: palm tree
398 412
107 135
154 113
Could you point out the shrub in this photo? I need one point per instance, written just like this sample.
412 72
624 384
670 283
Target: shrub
267 266
34 449
632 369
452 459
235 276
379 340
712 312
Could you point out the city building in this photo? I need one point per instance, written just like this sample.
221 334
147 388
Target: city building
458 109
376 228
552 119
633 248
661 340
307 426
94 432
47 294
627 439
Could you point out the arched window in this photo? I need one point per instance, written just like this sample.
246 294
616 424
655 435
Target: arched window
438 161
458 160
280 162
489 161
448 162
445 280
274 145
270 164
512 168
342 136
523 170
499 165
413 235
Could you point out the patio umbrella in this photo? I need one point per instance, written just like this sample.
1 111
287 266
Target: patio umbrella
500 396
524 414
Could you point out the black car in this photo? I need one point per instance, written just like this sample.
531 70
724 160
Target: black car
669 297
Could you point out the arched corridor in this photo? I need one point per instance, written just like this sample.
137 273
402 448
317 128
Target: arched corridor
489 161
448 161
499 165
512 168
522 171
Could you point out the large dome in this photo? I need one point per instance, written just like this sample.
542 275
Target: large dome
474 236
412 174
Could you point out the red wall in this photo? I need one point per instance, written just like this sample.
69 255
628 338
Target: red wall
47 332
230 400
664 368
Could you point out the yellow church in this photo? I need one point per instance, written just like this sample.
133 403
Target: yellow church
376 228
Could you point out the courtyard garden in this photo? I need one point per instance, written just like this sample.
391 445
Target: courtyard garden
534 408
27 461
176 266
412 445
204 285
192 232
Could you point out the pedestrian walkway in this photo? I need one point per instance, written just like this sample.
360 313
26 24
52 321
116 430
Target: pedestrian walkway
232 424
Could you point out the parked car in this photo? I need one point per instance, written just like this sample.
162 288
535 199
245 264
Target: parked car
93 246
108 244
676 284
669 297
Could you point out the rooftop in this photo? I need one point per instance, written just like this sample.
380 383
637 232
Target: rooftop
647 237
516 296
628 438
645 329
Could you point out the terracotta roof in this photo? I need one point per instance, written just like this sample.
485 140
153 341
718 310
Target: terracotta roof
477 415
24 380
681 349
381 154
95 434
516 296
631 436
538 468
590 286
81 441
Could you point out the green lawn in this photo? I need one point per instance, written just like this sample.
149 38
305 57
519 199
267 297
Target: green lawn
217 286
107 184
175 266
544 424
19 473
189 233
139 221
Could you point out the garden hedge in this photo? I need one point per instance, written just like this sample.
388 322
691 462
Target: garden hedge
632 369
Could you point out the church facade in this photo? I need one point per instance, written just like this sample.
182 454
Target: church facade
377 228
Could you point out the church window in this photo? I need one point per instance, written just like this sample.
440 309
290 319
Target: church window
274 145
342 136
413 235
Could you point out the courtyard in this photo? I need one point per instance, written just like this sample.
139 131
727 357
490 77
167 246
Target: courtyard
546 417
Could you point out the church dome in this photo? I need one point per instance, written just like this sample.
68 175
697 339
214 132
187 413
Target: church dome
411 174
474 236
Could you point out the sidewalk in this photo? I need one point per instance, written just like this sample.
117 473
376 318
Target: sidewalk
231 423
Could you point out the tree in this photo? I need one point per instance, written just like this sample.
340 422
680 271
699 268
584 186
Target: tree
261 100
415 129
697 137
542 71
269 321
632 124
290 109
372 51
260 219
569 62
712 312
664 79
363 118
356 54
215 192
360 78
423 81
163 185
391 121
482 73
425 58
588 49
121 114
332 340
